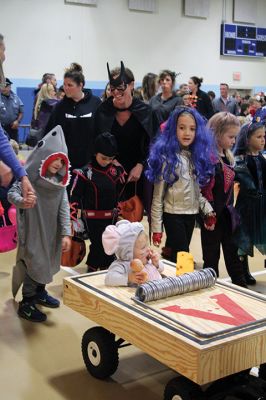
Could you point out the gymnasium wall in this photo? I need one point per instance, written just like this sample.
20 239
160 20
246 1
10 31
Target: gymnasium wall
47 35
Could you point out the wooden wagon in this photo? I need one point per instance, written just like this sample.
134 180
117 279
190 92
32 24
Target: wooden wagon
204 335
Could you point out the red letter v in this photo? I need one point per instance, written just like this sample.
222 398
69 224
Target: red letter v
238 315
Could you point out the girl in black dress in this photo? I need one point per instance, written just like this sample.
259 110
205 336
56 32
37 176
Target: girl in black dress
251 201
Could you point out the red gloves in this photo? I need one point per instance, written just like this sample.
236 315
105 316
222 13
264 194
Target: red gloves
157 238
210 220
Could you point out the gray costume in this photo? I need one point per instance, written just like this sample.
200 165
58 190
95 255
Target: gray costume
40 229
120 239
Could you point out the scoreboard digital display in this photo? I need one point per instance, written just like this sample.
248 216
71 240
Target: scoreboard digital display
240 40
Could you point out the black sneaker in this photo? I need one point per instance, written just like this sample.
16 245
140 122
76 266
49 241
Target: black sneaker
240 282
46 300
30 312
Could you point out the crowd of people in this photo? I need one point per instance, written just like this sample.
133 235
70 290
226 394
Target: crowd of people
179 150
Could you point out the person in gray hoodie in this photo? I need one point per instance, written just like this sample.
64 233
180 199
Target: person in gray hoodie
44 230
128 241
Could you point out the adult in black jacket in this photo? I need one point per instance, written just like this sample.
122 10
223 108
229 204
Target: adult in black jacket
199 99
131 121
75 113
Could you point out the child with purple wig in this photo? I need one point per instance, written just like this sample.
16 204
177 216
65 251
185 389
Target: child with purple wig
181 161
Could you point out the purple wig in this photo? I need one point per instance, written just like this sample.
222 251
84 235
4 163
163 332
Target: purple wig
164 153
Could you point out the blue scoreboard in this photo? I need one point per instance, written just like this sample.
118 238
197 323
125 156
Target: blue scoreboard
240 40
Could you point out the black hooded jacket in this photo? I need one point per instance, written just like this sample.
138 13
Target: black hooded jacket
77 121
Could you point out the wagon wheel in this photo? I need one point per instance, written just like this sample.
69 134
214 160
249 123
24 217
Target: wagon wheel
181 388
262 371
100 352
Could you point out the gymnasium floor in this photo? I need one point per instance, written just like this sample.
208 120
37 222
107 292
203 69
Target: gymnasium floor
44 362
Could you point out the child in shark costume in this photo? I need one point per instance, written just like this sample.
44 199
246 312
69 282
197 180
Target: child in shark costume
43 231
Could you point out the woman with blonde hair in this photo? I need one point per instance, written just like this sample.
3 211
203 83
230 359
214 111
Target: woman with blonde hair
45 101
46 93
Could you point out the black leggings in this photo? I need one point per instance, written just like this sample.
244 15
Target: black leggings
97 258
211 242
179 229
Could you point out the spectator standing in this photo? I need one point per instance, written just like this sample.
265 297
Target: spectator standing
149 86
7 154
225 102
211 94
2 59
48 77
133 124
46 100
11 110
106 93
60 94
199 99
183 89
254 105
75 114
166 101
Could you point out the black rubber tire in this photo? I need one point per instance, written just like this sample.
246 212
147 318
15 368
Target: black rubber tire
181 388
100 352
262 371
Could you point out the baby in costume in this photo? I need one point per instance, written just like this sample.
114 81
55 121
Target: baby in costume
128 241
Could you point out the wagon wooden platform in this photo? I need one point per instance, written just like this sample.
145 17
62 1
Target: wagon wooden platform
203 335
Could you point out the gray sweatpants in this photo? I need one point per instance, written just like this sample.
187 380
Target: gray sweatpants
30 287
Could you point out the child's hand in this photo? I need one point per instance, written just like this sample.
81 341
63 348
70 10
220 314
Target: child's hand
122 178
29 201
210 221
157 238
66 243
154 257
137 277
78 225
135 173
28 192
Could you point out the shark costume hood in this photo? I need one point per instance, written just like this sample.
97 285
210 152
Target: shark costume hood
51 147
40 229
120 239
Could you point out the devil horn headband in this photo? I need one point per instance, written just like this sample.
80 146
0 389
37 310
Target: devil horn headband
122 78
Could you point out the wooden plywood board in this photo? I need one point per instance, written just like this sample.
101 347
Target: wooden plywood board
239 344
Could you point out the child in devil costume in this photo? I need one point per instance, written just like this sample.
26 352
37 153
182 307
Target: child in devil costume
95 192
